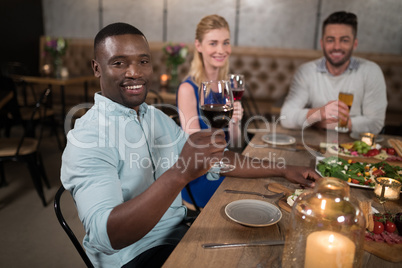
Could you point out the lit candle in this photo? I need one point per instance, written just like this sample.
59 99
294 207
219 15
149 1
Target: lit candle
330 250
64 72
46 69
368 138
164 79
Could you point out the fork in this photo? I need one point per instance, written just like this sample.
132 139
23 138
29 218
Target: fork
254 193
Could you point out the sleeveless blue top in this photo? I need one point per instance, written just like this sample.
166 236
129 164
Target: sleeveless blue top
201 188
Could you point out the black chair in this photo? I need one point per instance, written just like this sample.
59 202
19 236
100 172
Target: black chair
68 230
190 194
15 68
25 149
17 114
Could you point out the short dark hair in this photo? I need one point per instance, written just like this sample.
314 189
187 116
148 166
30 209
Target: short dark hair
118 28
341 17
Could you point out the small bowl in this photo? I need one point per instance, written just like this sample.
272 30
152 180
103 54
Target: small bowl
387 189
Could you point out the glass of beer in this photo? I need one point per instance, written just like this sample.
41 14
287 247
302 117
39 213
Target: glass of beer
347 98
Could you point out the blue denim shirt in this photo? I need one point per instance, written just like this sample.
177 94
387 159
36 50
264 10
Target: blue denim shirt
111 157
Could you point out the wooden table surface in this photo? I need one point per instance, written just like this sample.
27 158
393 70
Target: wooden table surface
213 226
61 83
57 81
168 97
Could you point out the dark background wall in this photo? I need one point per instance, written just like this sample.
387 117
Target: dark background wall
21 26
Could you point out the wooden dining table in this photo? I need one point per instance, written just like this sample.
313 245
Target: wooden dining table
62 83
214 226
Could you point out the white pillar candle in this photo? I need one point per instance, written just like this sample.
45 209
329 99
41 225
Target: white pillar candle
329 250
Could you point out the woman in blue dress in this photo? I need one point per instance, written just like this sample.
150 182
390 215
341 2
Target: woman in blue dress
210 62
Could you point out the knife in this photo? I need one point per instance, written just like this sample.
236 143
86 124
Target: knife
250 244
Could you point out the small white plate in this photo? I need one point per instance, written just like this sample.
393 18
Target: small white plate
278 139
356 136
254 213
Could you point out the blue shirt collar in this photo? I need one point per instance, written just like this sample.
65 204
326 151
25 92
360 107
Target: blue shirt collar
321 67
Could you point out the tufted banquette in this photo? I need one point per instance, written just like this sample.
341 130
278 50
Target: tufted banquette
268 72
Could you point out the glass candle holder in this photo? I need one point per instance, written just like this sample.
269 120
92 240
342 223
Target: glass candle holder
387 189
326 229
368 138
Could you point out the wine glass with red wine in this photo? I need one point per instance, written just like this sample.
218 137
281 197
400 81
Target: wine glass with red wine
237 84
216 106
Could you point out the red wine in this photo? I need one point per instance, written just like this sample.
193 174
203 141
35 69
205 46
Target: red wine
218 115
237 94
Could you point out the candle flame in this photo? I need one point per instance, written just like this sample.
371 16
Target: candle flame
323 204
164 77
331 239
341 219
367 140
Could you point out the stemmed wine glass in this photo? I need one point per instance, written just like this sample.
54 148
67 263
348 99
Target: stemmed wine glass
216 106
237 84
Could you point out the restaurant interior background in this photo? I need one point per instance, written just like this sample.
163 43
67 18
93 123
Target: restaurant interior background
261 23
30 233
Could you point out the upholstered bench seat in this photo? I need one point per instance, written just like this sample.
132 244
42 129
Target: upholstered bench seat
268 72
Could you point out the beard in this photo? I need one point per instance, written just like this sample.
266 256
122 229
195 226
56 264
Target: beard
342 61
135 102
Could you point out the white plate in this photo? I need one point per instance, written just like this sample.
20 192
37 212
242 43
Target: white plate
319 158
278 139
254 213
356 136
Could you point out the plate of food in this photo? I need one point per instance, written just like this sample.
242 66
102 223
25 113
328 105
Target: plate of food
254 213
356 174
361 151
383 236
278 139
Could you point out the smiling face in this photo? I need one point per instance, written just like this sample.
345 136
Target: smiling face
123 64
215 48
338 43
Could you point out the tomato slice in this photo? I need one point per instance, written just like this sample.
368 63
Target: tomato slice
355 181
378 172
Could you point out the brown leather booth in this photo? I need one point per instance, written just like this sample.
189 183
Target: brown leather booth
268 72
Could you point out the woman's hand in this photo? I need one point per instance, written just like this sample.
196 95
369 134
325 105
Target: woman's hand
237 112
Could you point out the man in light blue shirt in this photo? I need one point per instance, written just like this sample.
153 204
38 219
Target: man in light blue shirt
126 162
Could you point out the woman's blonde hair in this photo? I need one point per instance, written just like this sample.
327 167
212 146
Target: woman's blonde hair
197 70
